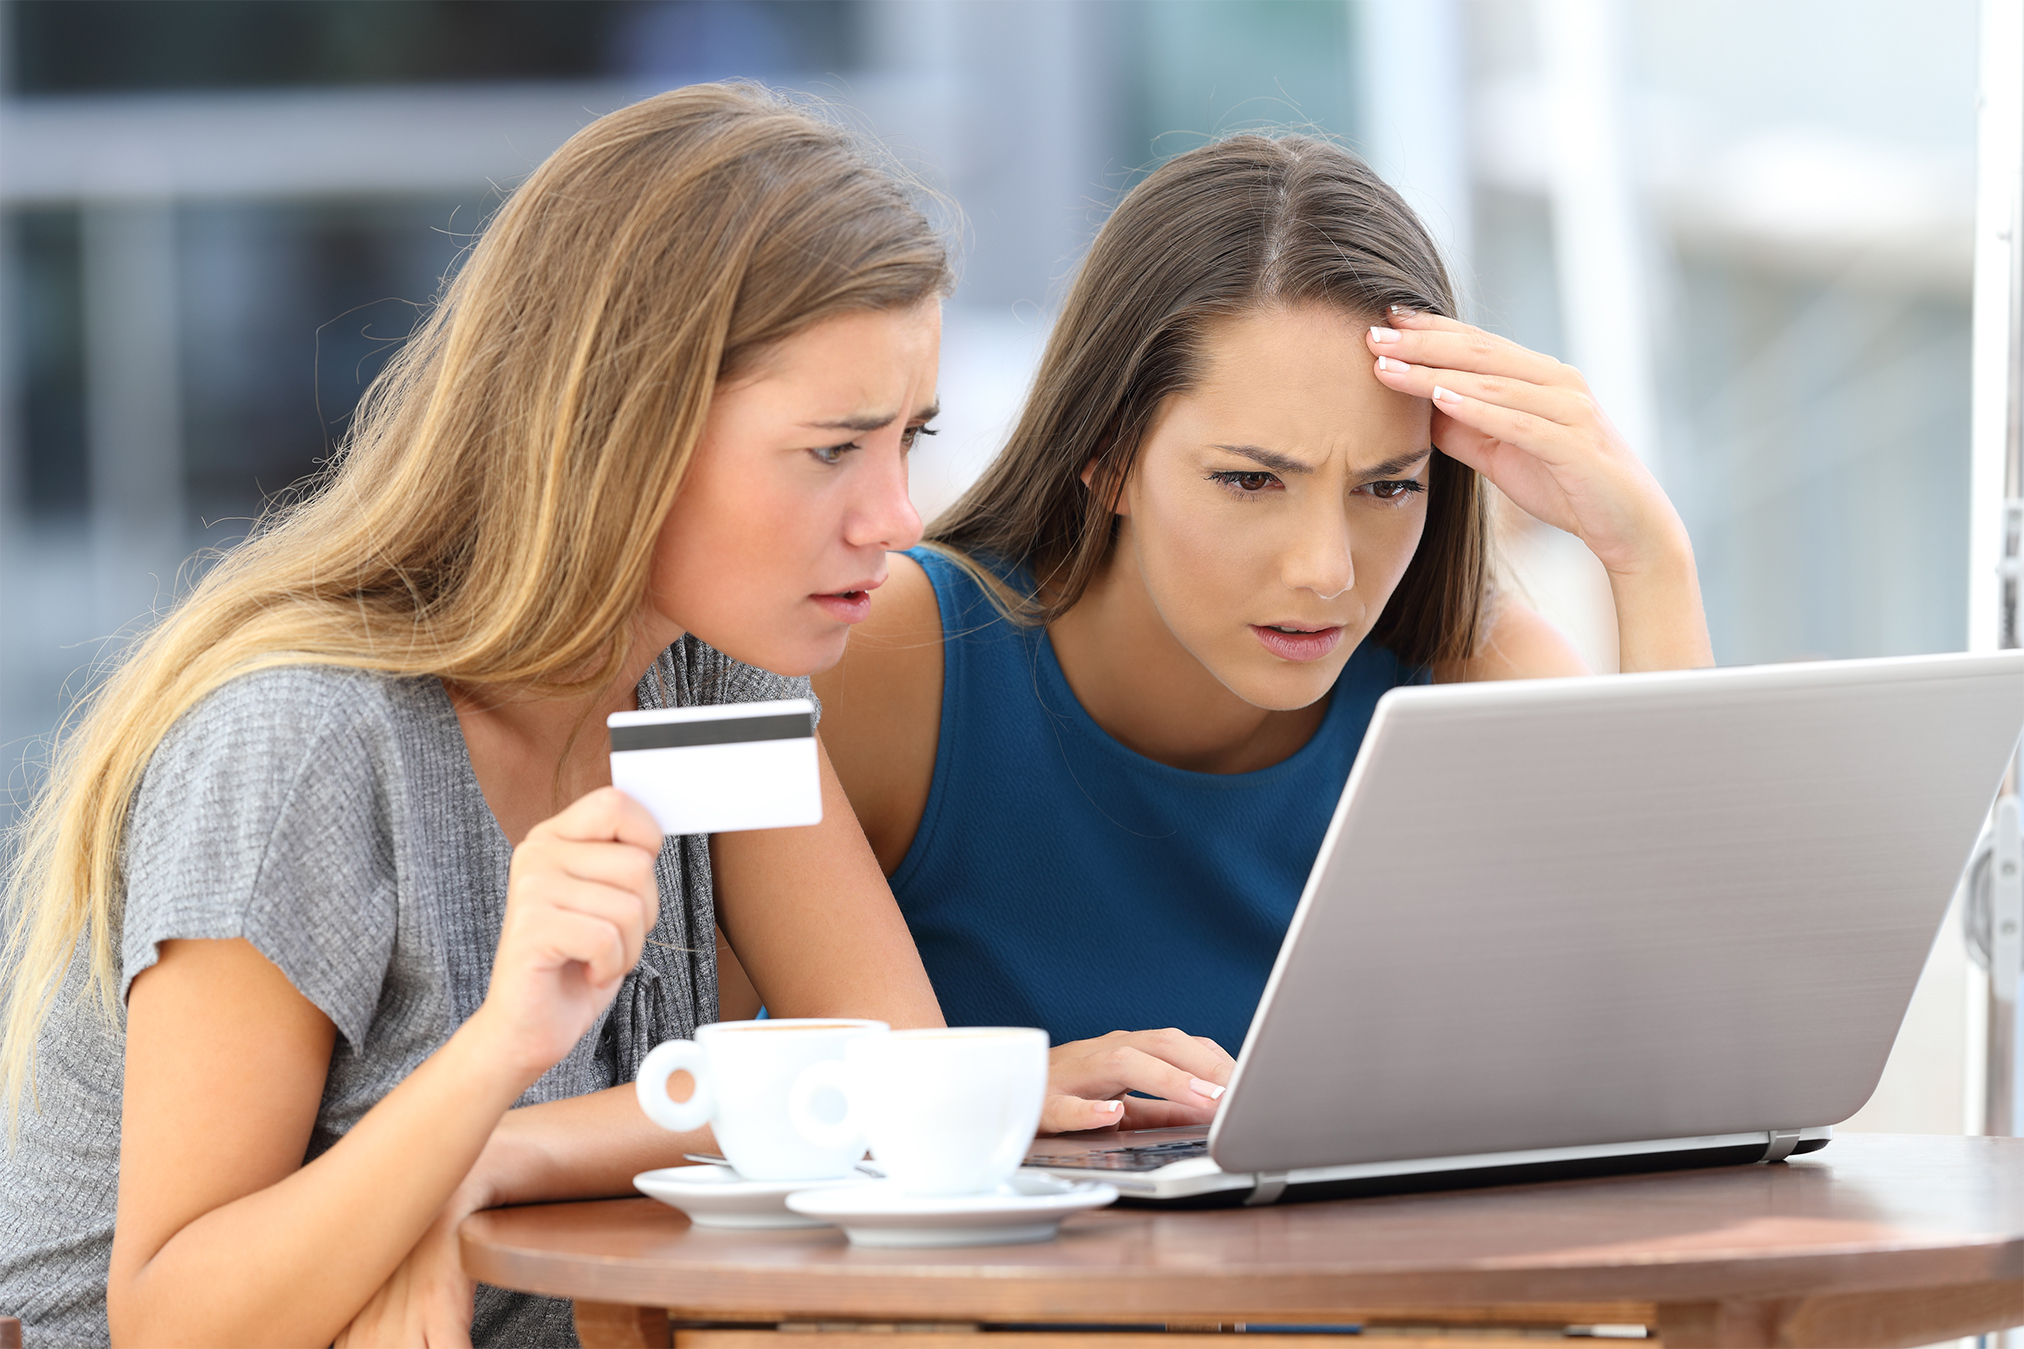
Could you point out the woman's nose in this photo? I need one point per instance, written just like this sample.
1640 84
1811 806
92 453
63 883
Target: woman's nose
1319 559
884 515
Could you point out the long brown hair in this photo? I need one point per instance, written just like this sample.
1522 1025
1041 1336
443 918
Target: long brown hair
493 516
1226 229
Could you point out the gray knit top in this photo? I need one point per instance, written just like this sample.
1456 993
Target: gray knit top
331 818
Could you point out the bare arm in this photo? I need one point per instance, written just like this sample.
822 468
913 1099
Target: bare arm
814 924
737 1000
224 1236
882 711
1520 645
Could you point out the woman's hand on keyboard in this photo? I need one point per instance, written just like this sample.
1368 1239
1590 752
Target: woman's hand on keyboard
1089 1081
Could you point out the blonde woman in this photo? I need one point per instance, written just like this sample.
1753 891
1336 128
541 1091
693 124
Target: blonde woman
328 877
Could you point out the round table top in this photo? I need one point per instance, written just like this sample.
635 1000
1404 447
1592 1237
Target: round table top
1869 1211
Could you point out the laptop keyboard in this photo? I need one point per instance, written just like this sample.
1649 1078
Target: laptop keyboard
1149 1158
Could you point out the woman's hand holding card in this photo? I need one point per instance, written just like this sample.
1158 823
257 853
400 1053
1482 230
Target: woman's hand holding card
580 901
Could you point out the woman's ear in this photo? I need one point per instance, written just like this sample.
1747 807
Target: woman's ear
1091 472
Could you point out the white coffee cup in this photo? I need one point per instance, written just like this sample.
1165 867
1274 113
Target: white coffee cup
744 1071
945 1111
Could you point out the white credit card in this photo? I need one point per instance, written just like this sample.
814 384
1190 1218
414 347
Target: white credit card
710 770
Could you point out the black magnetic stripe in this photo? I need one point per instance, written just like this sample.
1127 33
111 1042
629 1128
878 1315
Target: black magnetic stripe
725 731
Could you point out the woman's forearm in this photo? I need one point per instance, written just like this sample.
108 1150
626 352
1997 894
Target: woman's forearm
1660 623
586 1147
291 1263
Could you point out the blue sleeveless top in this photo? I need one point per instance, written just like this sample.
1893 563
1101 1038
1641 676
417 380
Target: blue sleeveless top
1059 879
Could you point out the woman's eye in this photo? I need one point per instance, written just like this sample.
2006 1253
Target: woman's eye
913 433
832 454
1395 490
1245 482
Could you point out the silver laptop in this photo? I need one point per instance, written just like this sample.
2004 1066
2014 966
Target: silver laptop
1580 926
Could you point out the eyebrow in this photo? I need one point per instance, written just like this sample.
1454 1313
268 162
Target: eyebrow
1281 463
872 421
1272 459
1397 464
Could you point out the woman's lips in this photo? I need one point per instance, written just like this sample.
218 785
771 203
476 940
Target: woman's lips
1297 644
846 606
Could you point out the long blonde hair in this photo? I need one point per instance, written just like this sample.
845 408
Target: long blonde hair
492 518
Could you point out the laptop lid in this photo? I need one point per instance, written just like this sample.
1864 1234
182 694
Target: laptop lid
1585 911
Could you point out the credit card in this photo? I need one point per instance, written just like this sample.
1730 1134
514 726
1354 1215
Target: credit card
711 770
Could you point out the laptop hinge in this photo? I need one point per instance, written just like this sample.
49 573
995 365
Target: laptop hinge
1781 1145
1272 1184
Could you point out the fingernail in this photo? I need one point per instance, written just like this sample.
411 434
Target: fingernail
1208 1089
1401 311
1112 1105
1444 396
1384 334
1388 364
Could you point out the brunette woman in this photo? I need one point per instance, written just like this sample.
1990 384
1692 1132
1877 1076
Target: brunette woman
1096 727
328 877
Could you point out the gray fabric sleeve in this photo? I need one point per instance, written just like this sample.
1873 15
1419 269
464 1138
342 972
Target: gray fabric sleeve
263 815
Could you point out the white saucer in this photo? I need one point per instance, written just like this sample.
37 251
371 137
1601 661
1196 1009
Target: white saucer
717 1196
1029 1207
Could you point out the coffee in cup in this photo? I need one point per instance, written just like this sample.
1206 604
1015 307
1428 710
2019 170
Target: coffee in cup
744 1072
946 1111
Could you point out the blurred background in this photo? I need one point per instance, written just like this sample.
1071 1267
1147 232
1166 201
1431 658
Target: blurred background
1749 221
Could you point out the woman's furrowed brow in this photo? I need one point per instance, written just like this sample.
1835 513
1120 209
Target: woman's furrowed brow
1397 464
1286 463
865 421
1264 458
873 421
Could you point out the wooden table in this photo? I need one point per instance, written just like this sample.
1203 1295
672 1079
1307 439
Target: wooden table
1877 1240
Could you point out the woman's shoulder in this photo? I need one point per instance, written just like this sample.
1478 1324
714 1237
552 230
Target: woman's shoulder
895 655
274 810
882 708
274 709
303 766
1519 644
908 605
967 591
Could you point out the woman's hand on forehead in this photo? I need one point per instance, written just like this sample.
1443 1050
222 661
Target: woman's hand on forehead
1529 424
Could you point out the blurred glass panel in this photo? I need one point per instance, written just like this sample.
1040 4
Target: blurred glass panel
1806 174
45 327
1816 183
1211 68
1825 472
61 46
288 311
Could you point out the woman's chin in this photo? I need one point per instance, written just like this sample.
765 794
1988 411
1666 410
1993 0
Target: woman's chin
1280 686
810 655
779 649
830 653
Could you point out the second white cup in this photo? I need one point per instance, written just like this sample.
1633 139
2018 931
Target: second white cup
744 1071
945 1111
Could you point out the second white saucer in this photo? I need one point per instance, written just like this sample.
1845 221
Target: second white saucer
1027 1208
717 1196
